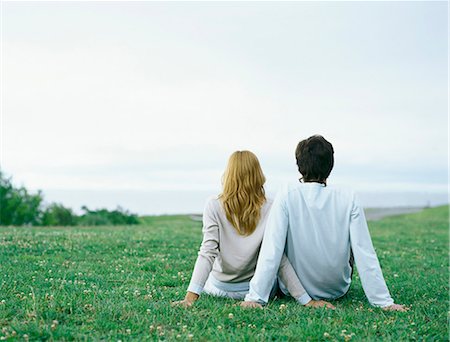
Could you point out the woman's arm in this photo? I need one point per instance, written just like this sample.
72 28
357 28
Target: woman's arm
287 275
209 249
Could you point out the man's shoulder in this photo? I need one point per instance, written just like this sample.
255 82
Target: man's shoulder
288 192
294 189
269 201
289 187
341 189
291 191
297 186
283 191
342 192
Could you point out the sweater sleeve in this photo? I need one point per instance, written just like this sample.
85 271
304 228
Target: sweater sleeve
289 277
209 249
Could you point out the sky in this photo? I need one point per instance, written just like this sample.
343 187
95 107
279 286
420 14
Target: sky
130 97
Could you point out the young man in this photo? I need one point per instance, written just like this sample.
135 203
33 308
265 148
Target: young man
322 229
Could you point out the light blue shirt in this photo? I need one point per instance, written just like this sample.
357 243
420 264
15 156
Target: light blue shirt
318 226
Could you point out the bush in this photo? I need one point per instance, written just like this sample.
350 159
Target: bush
17 206
106 217
58 215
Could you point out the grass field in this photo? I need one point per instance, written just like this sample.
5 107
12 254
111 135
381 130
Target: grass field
116 283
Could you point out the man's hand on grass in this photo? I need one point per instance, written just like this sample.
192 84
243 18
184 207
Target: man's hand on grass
187 302
320 304
396 307
251 305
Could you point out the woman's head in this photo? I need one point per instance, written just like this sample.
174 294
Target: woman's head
243 191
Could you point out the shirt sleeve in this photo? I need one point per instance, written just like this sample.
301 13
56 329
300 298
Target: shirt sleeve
272 249
366 259
209 249
289 277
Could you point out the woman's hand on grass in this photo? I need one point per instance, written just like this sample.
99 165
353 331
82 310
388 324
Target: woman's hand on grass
396 307
251 305
320 304
188 300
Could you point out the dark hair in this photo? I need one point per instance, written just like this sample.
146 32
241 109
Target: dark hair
315 159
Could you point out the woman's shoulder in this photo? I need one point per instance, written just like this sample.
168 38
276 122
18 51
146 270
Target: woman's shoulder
212 203
212 200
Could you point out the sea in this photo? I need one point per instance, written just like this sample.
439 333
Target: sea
192 202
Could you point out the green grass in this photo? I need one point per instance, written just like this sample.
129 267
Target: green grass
111 283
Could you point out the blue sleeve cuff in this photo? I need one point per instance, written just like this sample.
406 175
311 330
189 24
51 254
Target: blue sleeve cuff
250 298
389 302
195 288
305 299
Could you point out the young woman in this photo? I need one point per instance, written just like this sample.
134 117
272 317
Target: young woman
233 229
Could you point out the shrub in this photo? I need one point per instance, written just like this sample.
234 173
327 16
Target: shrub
17 206
58 215
106 217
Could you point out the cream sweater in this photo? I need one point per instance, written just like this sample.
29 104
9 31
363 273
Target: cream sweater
232 258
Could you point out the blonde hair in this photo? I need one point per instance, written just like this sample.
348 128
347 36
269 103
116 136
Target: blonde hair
243 191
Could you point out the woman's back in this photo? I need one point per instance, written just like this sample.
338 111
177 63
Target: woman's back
235 254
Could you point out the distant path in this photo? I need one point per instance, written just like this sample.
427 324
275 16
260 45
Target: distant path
375 214
196 217
372 214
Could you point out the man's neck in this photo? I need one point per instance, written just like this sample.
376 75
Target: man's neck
318 181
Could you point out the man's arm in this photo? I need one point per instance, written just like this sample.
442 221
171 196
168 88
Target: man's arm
367 262
272 249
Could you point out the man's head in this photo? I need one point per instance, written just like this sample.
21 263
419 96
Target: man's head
315 159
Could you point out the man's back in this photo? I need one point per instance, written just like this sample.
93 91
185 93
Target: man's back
318 237
319 227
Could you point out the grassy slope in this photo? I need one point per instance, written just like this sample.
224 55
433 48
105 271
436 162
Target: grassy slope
117 283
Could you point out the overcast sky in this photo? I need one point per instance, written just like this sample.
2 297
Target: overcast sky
155 96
